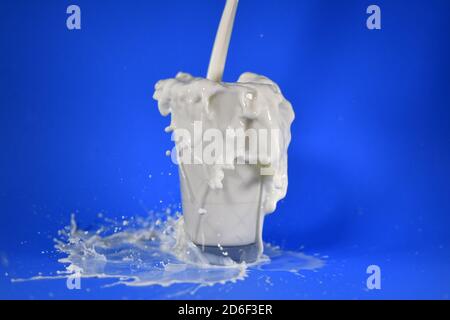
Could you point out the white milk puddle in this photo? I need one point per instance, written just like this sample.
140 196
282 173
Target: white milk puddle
149 251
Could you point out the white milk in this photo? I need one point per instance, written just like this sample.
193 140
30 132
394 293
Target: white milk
224 204
222 42
147 251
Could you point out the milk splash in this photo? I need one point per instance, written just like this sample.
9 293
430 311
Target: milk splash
224 203
147 252
155 251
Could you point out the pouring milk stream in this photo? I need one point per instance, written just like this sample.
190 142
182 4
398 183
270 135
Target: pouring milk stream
231 149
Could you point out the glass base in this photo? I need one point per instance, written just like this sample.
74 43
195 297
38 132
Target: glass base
215 254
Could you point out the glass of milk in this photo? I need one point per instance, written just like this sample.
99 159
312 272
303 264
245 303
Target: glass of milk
227 188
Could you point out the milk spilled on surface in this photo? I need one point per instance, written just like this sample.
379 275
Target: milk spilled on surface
155 251
254 102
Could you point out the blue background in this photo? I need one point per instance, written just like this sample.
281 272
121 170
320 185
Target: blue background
369 160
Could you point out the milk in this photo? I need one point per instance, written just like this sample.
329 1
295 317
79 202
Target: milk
222 42
227 193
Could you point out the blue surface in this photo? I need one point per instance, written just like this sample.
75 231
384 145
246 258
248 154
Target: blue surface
369 161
